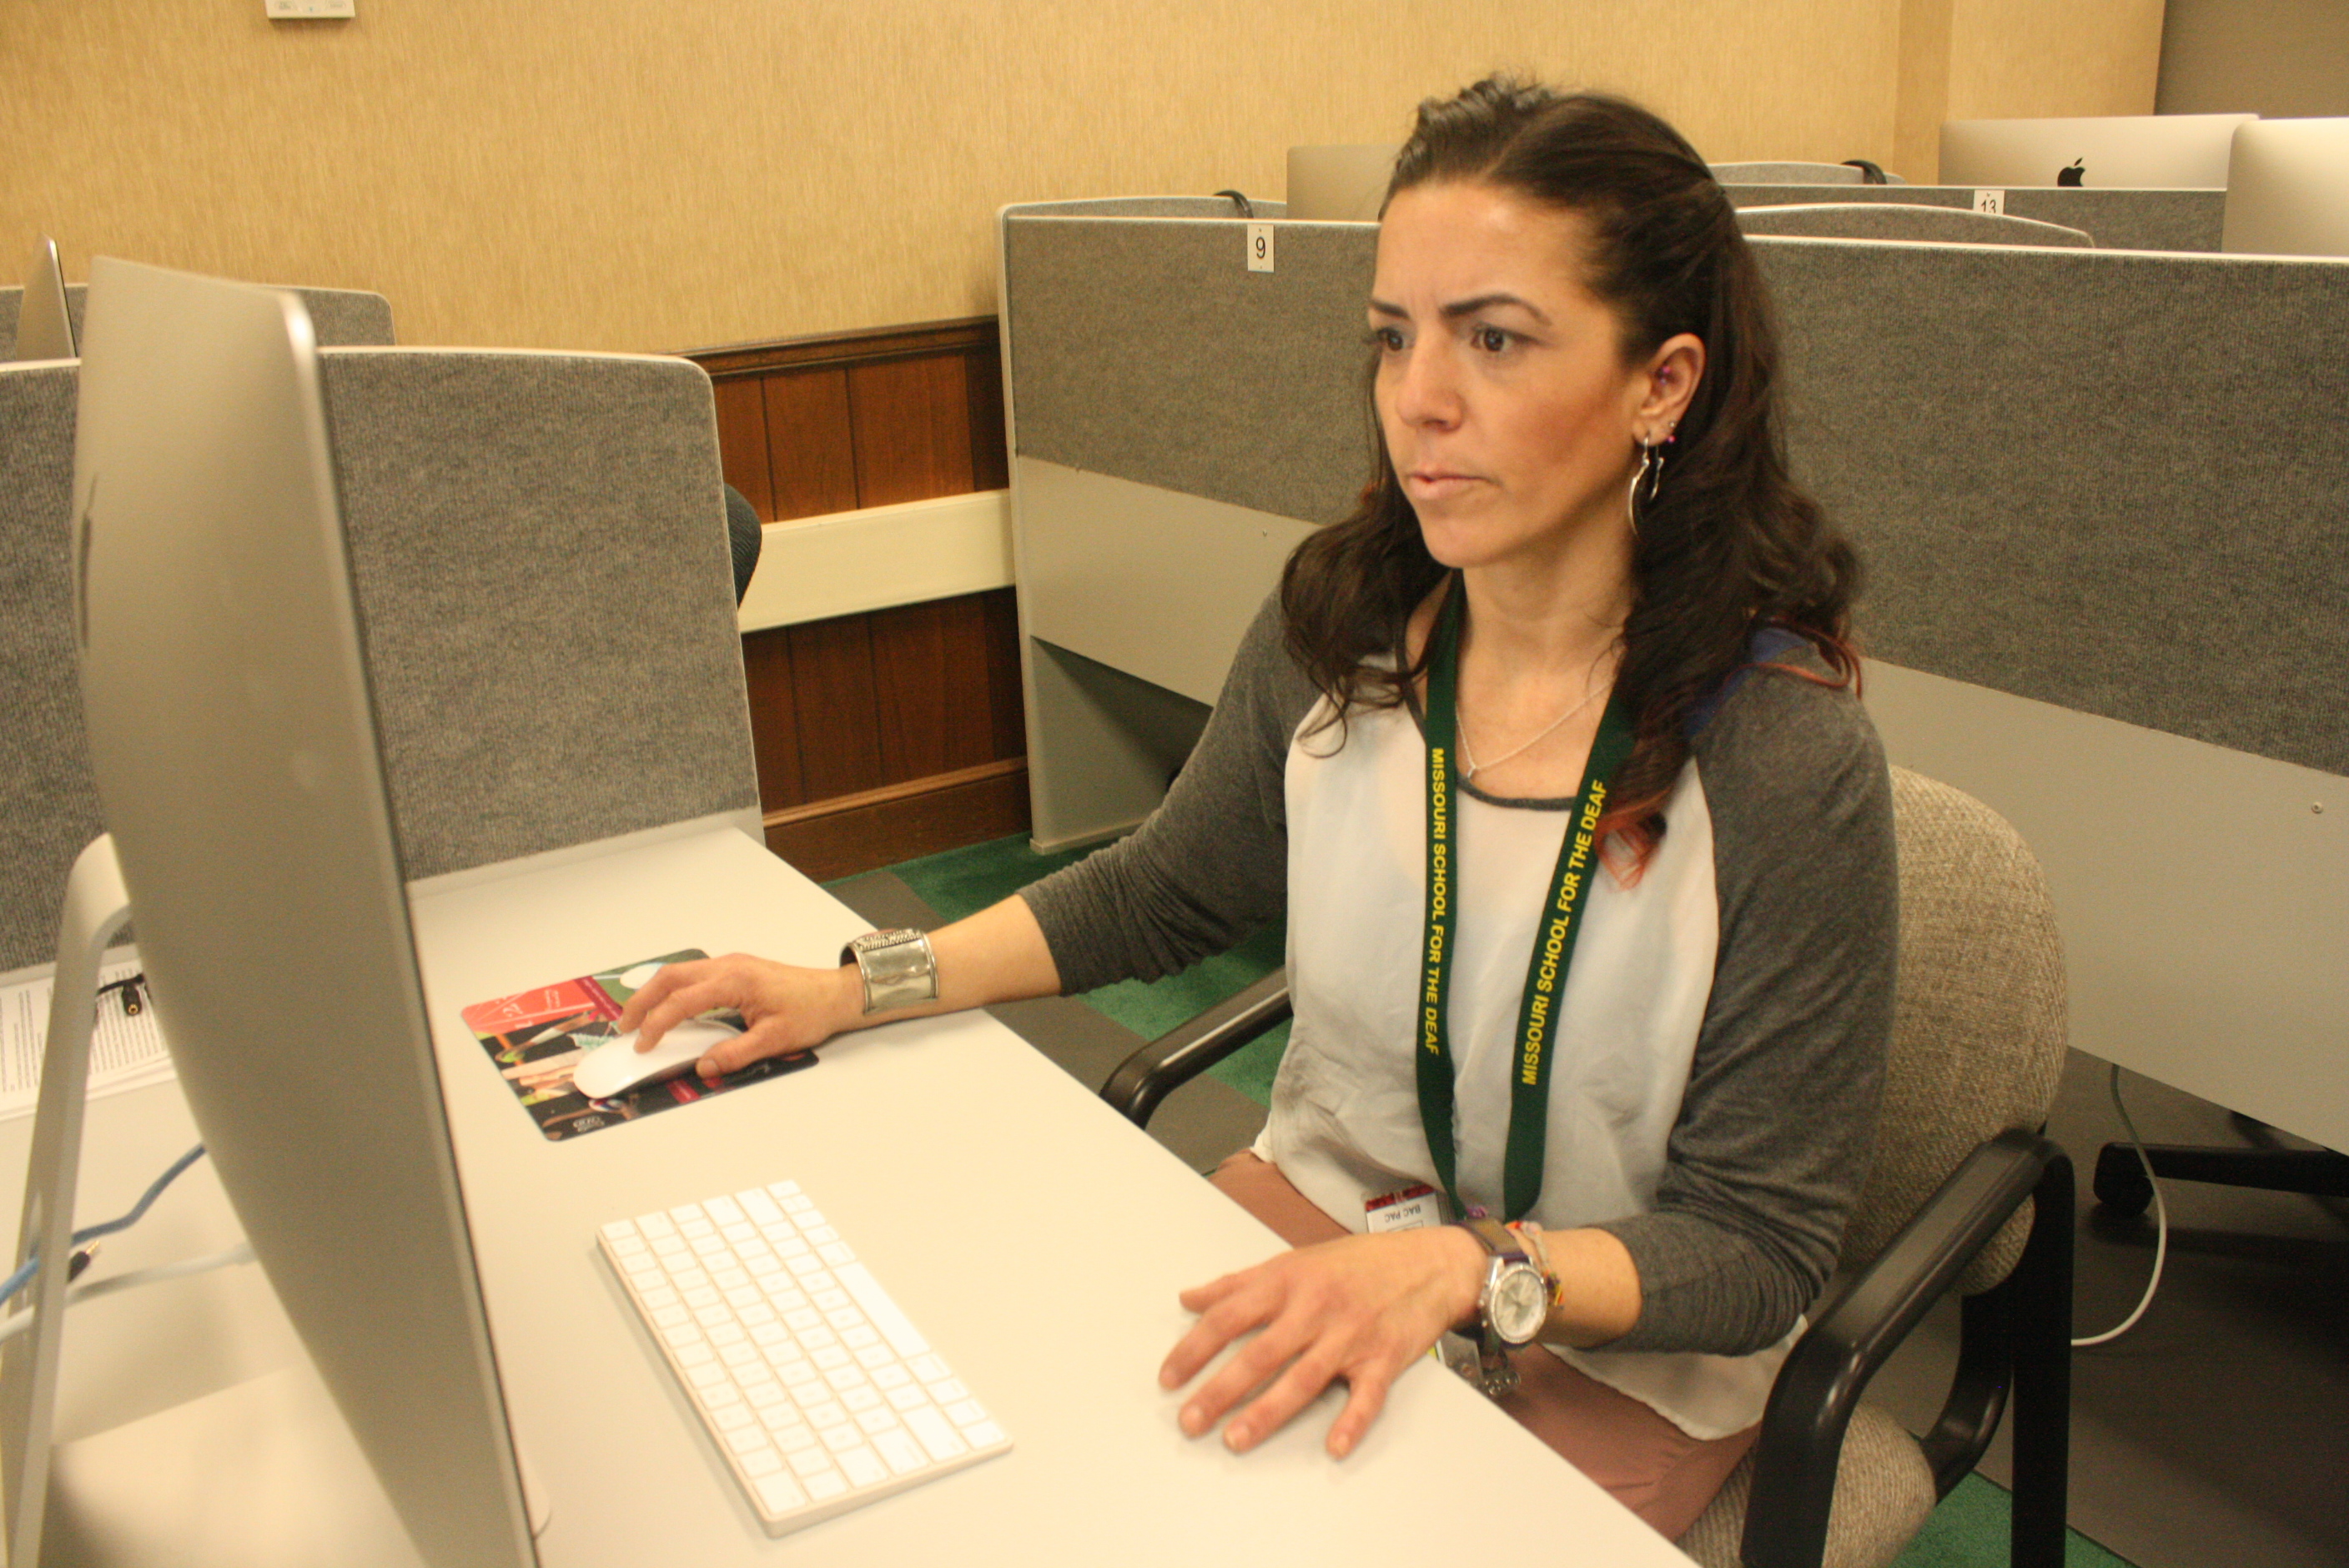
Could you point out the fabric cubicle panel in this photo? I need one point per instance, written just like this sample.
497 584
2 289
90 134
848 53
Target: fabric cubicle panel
338 317
1144 349
539 549
2095 481
1899 221
546 596
2115 220
51 804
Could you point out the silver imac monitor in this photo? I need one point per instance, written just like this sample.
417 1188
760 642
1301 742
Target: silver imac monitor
2288 188
43 326
234 745
1343 185
2139 152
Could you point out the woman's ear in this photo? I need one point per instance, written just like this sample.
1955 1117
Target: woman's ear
1672 373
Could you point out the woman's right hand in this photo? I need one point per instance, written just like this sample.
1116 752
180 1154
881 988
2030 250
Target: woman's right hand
789 1009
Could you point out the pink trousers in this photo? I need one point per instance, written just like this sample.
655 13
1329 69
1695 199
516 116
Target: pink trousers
1651 1467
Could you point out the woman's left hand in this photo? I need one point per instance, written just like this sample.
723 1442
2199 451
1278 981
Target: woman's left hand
1360 1308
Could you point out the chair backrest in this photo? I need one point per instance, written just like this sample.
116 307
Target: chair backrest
1905 220
1978 1030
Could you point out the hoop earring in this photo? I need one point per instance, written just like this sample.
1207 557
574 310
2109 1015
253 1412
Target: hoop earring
1650 472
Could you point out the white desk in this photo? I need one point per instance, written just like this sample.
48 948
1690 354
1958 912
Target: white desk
1035 1236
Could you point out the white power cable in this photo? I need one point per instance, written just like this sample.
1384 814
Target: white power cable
2161 1234
240 1254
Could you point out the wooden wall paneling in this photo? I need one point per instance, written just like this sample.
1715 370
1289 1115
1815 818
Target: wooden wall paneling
1006 702
774 718
742 439
912 423
991 459
811 443
882 827
837 706
929 666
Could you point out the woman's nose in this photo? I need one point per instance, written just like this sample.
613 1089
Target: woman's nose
1426 391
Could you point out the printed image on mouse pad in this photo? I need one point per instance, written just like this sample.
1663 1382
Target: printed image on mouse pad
538 1037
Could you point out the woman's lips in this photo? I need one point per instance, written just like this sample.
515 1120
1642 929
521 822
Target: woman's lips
1438 484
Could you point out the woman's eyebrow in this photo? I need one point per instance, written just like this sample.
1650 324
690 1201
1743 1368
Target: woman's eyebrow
1482 303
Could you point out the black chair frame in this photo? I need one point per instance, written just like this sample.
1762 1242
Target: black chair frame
2015 1338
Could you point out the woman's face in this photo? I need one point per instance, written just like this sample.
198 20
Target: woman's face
1509 411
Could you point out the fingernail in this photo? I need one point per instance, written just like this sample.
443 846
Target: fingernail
1342 1446
1237 1439
1193 1421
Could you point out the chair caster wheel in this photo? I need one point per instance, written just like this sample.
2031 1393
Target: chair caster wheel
2120 1184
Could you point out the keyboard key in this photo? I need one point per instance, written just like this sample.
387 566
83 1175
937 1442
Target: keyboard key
964 1413
902 1452
841 1437
827 1486
781 1494
811 1461
764 1462
864 1467
907 1398
936 1434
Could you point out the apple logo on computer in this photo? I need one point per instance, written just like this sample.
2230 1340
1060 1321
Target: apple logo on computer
2073 177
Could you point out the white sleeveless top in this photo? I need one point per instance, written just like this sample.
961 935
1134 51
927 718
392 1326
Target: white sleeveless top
1345 1124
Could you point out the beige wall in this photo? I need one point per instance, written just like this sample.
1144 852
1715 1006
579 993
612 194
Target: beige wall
2285 59
2020 59
617 175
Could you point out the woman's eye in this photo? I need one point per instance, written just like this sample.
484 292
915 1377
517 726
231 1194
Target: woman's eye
1491 339
1386 339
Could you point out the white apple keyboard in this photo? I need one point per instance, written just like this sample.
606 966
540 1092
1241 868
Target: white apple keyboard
819 1393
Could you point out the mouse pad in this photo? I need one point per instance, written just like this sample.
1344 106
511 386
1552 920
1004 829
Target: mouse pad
536 1037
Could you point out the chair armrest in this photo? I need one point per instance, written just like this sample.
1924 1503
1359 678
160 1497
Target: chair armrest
1818 1389
1185 1051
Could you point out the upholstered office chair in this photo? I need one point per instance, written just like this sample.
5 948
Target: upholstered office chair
1964 1195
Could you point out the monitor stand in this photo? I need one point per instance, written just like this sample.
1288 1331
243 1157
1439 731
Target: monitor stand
95 909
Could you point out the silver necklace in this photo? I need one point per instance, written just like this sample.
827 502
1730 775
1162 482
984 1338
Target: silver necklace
1469 766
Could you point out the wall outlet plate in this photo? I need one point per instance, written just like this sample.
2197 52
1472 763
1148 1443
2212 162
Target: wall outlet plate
308 10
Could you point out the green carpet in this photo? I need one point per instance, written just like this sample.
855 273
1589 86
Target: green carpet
1967 1531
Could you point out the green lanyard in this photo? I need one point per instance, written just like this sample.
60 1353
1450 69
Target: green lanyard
1553 954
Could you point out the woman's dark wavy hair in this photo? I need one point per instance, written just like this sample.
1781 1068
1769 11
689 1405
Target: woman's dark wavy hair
1729 543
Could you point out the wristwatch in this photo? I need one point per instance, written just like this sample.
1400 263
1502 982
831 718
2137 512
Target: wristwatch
897 966
1510 1309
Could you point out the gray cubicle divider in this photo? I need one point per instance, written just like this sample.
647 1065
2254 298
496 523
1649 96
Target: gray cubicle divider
1178 421
1900 220
2119 219
2102 497
539 547
341 318
2121 489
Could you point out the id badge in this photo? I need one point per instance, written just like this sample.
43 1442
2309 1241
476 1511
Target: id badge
1409 1209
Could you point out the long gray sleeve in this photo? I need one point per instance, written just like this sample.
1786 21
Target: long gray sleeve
1771 1142
1211 865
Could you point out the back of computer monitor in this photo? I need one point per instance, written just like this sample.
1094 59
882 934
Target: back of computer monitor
43 326
2288 188
1342 184
2112 152
234 747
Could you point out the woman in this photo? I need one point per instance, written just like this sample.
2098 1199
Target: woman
1585 849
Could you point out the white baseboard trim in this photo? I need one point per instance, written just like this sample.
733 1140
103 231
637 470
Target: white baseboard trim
846 562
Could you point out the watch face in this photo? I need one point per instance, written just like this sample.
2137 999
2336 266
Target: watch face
1518 1305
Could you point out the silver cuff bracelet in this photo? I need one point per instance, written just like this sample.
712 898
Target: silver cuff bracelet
897 966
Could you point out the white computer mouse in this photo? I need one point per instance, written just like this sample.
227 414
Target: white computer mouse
617 1067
